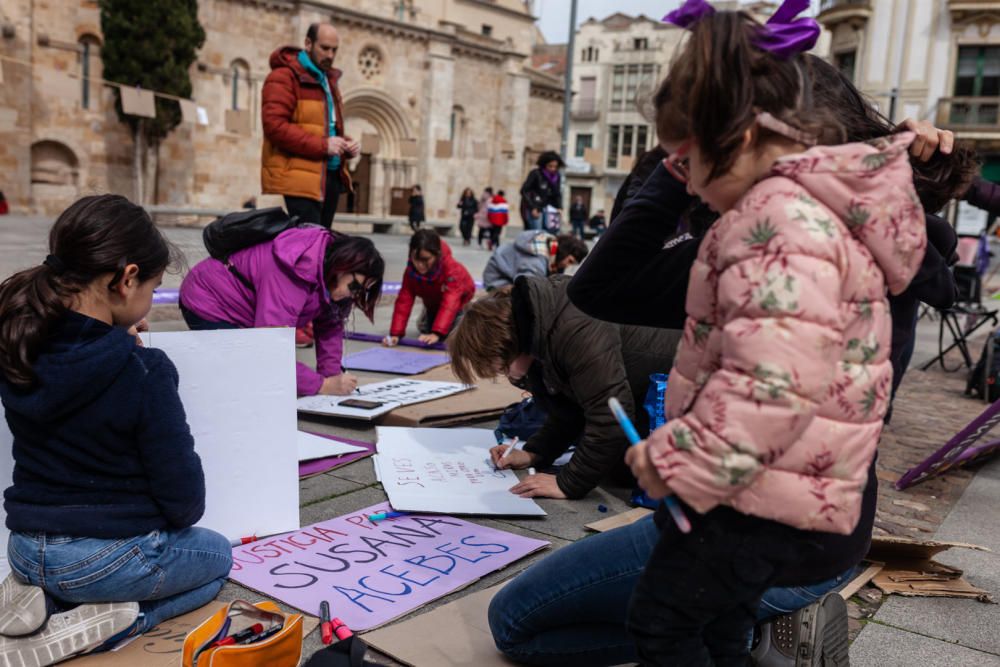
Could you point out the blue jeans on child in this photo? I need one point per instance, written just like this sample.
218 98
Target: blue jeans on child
168 572
571 607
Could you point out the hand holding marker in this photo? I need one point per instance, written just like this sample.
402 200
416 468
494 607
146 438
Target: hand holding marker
506 453
633 437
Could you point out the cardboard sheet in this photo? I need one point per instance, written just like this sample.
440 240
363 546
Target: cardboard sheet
238 390
420 641
408 148
391 394
163 645
320 466
446 471
370 572
910 569
239 121
394 360
313 446
189 111
619 520
486 401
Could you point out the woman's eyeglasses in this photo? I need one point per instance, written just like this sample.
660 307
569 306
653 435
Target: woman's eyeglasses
677 164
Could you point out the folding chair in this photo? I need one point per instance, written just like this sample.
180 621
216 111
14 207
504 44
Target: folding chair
973 260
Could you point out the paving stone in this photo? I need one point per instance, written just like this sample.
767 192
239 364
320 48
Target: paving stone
882 646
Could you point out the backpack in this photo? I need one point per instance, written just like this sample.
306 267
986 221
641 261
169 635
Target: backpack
236 231
984 379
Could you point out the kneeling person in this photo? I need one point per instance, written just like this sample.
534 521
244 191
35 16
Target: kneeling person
532 253
572 364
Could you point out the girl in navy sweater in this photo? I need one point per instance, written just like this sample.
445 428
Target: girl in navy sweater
107 485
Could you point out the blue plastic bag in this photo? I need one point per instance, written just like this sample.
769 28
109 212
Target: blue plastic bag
655 408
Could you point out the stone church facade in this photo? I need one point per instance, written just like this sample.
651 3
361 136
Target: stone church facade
440 93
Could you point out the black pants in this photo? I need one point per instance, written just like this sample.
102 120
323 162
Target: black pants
318 212
465 226
697 599
485 233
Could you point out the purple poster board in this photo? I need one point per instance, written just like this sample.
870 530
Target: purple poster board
372 573
959 450
377 338
318 466
395 361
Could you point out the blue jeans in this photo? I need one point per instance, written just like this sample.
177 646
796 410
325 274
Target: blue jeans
571 607
578 227
168 572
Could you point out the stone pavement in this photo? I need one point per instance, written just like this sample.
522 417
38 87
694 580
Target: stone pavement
929 409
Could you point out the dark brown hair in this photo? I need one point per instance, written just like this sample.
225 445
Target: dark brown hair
940 179
426 239
356 254
484 336
571 246
721 81
93 237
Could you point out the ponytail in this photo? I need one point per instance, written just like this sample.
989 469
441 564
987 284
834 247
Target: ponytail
94 237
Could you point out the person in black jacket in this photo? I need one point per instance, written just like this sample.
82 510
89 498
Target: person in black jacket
416 213
638 275
107 486
572 364
542 187
578 217
469 206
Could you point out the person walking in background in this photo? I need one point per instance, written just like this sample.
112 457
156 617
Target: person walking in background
443 284
416 214
469 206
578 216
542 188
482 215
499 216
303 118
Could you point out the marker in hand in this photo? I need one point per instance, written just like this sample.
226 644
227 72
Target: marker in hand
503 457
673 507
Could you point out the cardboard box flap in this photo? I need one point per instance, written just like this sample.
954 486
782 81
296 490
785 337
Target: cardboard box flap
487 400
890 548
619 520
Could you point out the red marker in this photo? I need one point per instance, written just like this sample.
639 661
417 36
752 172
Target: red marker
340 629
244 540
254 629
325 626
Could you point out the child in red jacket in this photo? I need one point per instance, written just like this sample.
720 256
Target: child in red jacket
498 214
441 282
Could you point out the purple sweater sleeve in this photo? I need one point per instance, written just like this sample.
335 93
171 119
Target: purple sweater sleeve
328 328
984 194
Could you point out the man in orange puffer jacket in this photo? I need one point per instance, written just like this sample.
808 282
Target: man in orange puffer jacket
303 117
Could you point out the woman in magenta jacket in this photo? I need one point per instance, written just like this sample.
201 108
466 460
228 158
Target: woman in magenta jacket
305 274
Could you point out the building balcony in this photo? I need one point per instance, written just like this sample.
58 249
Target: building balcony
585 110
834 12
969 115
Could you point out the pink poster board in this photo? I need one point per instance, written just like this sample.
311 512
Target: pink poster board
372 573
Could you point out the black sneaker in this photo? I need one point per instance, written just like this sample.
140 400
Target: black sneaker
815 636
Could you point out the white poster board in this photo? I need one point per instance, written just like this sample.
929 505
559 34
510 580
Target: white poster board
317 447
238 390
969 220
391 394
446 471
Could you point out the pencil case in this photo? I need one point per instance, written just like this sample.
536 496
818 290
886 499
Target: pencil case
281 649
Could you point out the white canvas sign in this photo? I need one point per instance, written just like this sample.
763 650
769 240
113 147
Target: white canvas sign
446 471
317 447
388 396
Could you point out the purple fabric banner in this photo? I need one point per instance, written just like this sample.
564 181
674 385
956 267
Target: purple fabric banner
960 449
371 572
393 360
409 342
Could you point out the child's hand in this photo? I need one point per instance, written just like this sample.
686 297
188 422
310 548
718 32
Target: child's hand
637 458
518 459
139 327
390 341
540 485
929 139
339 385
429 339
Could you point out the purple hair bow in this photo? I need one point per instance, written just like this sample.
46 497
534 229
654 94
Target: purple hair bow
783 35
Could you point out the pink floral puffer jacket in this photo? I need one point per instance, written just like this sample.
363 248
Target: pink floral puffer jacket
782 379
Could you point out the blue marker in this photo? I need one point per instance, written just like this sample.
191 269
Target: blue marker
673 507
385 515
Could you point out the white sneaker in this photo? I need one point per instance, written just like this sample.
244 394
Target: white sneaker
22 607
68 634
